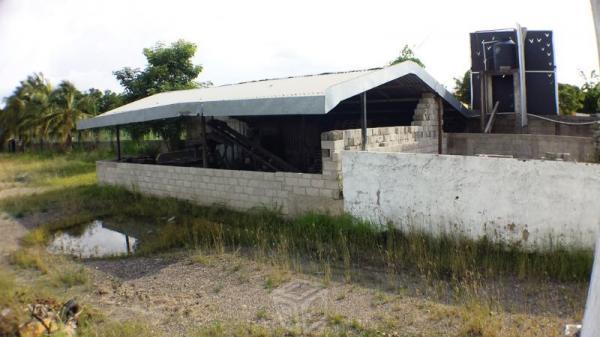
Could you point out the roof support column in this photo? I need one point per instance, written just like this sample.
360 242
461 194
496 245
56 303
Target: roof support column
363 124
204 142
118 143
440 121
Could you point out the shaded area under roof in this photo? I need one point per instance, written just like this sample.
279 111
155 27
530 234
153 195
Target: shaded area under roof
304 95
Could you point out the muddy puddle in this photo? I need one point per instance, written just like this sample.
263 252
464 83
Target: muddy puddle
97 239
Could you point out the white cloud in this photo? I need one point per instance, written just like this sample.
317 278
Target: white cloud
85 41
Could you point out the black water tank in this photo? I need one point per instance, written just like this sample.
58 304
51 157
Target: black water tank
505 55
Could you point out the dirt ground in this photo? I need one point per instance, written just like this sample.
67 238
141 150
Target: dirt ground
178 291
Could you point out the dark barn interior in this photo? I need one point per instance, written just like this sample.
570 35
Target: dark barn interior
276 125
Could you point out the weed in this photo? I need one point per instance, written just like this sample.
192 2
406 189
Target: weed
335 319
479 320
199 258
117 329
244 277
32 258
34 237
380 298
217 289
262 314
276 278
70 276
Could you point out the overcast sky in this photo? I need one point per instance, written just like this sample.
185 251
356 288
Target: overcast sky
84 41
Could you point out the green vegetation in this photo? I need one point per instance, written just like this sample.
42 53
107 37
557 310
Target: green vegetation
51 169
332 246
327 240
462 88
407 54
169 68
570 99
39 114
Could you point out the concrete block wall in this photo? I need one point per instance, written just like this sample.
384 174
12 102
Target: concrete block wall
523 146
535 126
292 193
419 137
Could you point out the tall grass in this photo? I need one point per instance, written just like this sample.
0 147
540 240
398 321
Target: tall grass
50 169
324 239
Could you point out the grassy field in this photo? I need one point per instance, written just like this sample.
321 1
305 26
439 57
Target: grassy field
50 169
339 246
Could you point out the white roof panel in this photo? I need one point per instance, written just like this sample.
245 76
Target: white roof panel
311 95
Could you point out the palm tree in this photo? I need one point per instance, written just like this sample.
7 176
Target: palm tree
39 92
65 113
25 108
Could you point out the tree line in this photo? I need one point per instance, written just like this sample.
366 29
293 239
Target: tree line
39 113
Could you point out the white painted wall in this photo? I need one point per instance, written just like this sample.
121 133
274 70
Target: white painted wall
508 199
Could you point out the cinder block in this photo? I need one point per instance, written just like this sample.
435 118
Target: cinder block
299 190
292 181
328 193
310 191
318 183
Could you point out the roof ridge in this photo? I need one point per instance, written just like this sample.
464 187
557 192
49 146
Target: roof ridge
302 76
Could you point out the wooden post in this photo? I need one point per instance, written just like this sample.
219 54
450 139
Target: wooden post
118 143
440 120
204 142
363 101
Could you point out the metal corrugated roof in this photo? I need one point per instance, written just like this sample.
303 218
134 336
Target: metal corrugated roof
304 95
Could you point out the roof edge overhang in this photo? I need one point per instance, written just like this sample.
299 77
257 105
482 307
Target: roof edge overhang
341 91
299 105
276 106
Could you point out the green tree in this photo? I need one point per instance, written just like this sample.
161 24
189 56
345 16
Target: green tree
66 111
89 101
36 111
462 88
407 55
169 68
23 116
591 93
109 101
570 99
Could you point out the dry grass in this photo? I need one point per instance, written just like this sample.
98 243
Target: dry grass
276 277
330 243
50 169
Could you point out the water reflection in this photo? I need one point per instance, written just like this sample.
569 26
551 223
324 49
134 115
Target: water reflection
94 240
